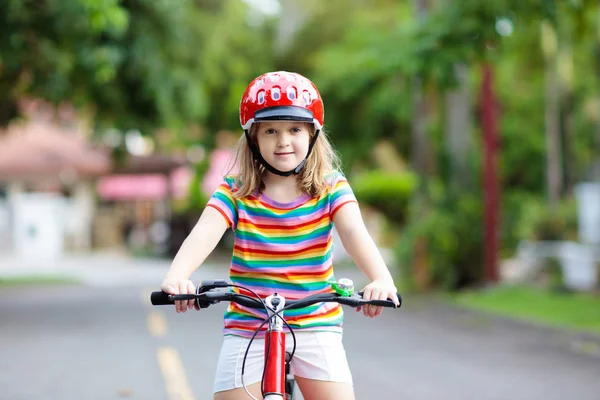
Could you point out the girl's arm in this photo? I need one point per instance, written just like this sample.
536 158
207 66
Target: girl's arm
201 241
358 243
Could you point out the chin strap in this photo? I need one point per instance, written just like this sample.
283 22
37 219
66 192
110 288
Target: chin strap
269 167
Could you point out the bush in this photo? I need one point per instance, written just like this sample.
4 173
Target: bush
197 198
445 237
539 221
515 206
386 192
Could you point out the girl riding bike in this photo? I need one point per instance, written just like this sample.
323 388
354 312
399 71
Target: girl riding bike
282 206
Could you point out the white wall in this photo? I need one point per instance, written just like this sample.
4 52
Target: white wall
588 208
38 228
79 216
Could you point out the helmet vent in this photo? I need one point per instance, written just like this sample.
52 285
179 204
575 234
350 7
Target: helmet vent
291 93
276 93
306 97
261 97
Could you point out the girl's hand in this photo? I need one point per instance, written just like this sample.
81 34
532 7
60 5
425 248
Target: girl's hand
378 290
180 286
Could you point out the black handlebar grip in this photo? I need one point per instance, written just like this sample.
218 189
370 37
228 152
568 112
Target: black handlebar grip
160 299
383 303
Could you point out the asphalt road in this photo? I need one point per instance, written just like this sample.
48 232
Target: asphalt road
100 342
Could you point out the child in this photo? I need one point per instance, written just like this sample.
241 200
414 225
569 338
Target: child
282 206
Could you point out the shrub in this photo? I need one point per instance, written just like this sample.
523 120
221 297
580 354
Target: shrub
386 192
539 221
197 198
445 233
515 206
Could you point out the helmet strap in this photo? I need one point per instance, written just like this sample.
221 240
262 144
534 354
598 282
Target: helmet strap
257 156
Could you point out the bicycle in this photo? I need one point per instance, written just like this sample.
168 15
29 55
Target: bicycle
277 382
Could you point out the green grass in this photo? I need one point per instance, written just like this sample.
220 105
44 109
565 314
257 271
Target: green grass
576 311
37 280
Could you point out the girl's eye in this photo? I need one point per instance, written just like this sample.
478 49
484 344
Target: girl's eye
270 131
295 130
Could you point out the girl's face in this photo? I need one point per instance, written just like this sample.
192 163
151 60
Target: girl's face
283 144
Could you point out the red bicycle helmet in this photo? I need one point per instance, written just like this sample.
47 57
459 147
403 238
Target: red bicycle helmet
281 95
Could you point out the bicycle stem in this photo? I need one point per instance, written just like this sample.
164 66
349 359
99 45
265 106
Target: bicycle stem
275 303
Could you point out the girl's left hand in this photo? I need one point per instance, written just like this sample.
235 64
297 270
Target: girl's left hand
378 290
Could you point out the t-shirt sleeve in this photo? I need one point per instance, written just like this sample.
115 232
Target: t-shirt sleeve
224 202
341 193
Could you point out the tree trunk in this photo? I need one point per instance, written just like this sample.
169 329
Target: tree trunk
419 161
552 116
458 128
566 94
419 133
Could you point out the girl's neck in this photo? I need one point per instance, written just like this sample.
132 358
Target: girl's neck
281 188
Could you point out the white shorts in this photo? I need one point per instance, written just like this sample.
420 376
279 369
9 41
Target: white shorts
319 355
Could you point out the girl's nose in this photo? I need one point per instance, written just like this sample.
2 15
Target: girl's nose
283 139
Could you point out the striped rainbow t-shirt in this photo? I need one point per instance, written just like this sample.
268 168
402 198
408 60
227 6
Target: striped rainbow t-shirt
285 248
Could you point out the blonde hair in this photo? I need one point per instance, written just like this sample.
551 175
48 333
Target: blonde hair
322 161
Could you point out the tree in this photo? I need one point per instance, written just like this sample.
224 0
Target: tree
137 64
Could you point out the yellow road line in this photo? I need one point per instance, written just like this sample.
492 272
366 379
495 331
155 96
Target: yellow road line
174 374
157 324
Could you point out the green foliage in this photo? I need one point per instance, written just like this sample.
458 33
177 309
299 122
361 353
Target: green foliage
515 207
564 310
28 279
139 64
450 228
553 275
542 222
367 69
234 53
386 192
131 61
145 64
43 48
523 147
197 199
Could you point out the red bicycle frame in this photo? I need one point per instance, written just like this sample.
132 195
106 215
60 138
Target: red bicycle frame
274 380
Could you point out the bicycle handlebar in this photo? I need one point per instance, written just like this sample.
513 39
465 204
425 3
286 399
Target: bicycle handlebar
212 297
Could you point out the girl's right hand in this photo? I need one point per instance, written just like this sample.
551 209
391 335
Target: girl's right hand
180 286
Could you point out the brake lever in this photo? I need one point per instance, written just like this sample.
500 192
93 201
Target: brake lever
207 286
213 284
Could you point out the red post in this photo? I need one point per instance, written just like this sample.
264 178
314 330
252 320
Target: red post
491 185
